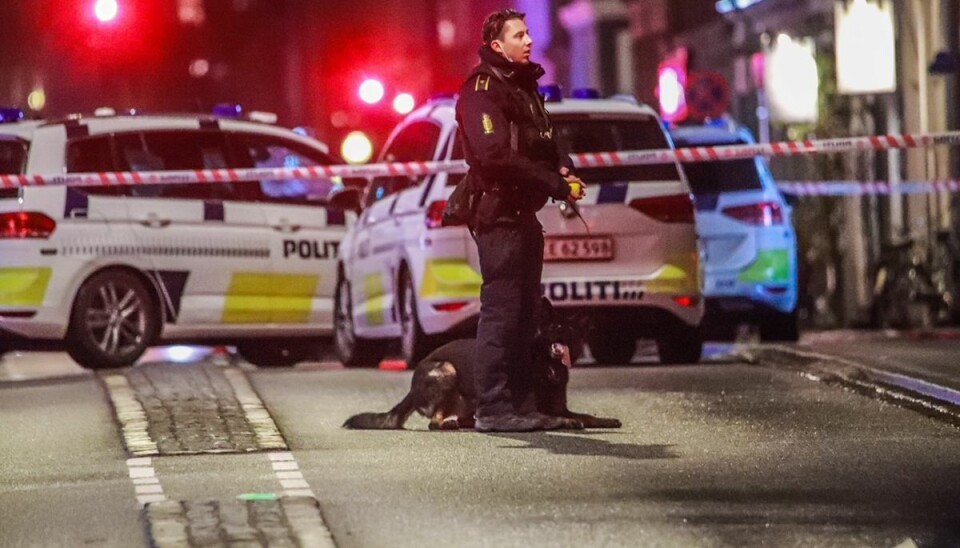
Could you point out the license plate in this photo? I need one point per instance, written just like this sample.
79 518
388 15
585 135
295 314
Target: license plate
578 248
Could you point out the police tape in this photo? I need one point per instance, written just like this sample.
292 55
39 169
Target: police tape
865 188
418 169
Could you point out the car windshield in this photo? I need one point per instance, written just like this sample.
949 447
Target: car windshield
717 177
592 135
13 156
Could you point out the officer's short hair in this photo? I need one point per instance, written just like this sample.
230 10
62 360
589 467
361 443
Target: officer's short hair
494 23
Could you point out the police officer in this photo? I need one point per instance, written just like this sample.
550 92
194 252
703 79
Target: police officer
513 157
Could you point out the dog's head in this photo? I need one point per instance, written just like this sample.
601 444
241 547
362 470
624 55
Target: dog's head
558 344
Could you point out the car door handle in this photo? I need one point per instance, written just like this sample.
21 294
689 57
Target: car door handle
287 227
152 221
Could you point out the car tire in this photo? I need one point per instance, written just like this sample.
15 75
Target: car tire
414 343
681 345
274 352
612 346
113 321
780 326
352 351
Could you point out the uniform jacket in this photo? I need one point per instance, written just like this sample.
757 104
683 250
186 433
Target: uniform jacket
509 140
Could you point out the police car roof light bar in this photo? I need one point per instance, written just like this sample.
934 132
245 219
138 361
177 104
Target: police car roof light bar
228 110
552 93
586 93
10 114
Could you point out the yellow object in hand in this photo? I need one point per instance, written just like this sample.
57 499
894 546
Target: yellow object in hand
576 189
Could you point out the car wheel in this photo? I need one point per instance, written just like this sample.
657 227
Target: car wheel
352 350
682 345
780 326
611 346
274 352
414 343
113 322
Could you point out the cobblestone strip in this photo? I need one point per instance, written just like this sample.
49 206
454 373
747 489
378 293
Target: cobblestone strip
167 409
289 474
281 523
268 436
132 416
145 481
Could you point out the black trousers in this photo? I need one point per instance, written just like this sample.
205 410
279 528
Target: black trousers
511 263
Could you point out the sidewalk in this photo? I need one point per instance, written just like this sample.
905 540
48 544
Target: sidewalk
920 366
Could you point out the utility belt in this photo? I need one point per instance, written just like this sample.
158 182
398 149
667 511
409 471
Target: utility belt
504 204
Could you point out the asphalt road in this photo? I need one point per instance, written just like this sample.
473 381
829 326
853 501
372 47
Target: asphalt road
724 454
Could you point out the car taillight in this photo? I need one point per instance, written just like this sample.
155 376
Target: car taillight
435 214
762 213
686 301
26 224
675 208
450 307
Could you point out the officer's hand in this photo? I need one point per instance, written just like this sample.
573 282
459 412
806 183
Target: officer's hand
564 172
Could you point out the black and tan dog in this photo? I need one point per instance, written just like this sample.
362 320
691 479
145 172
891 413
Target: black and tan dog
443 384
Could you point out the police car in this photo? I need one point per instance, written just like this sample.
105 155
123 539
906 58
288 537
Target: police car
106 271
630 267
749 244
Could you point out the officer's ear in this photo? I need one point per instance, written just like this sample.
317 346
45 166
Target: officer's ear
497 47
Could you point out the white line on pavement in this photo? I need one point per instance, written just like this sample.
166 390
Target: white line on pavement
146 484
288 473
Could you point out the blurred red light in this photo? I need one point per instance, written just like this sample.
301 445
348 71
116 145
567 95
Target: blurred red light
686 301
404 103
450 307
371 91
106 10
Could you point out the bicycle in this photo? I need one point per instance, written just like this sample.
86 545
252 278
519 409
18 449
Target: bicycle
944 265
904 293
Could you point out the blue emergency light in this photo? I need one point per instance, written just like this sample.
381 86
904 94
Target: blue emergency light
228 110
10 114
552 93
586 93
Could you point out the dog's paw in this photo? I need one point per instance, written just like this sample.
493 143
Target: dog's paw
606 423
448 423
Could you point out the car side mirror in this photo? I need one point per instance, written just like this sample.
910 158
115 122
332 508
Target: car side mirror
346 198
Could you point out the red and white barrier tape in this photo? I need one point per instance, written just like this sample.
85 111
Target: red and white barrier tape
599 159
860 188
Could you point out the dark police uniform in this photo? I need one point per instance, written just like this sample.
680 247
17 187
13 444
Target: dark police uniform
510 147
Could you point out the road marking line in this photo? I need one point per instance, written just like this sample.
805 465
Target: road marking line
266 431
132 416
155 489
146 484
288 473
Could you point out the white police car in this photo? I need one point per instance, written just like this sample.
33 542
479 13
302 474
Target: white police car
749 244
634 273
107 271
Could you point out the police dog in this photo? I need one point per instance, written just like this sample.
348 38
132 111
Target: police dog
442 389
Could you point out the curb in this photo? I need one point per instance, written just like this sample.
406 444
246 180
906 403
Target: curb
920 395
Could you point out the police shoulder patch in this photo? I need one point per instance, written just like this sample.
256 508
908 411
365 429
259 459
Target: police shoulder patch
487 124
482 83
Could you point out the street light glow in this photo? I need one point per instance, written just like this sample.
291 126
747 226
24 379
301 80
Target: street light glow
106 10
371 91
404 103
356 148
